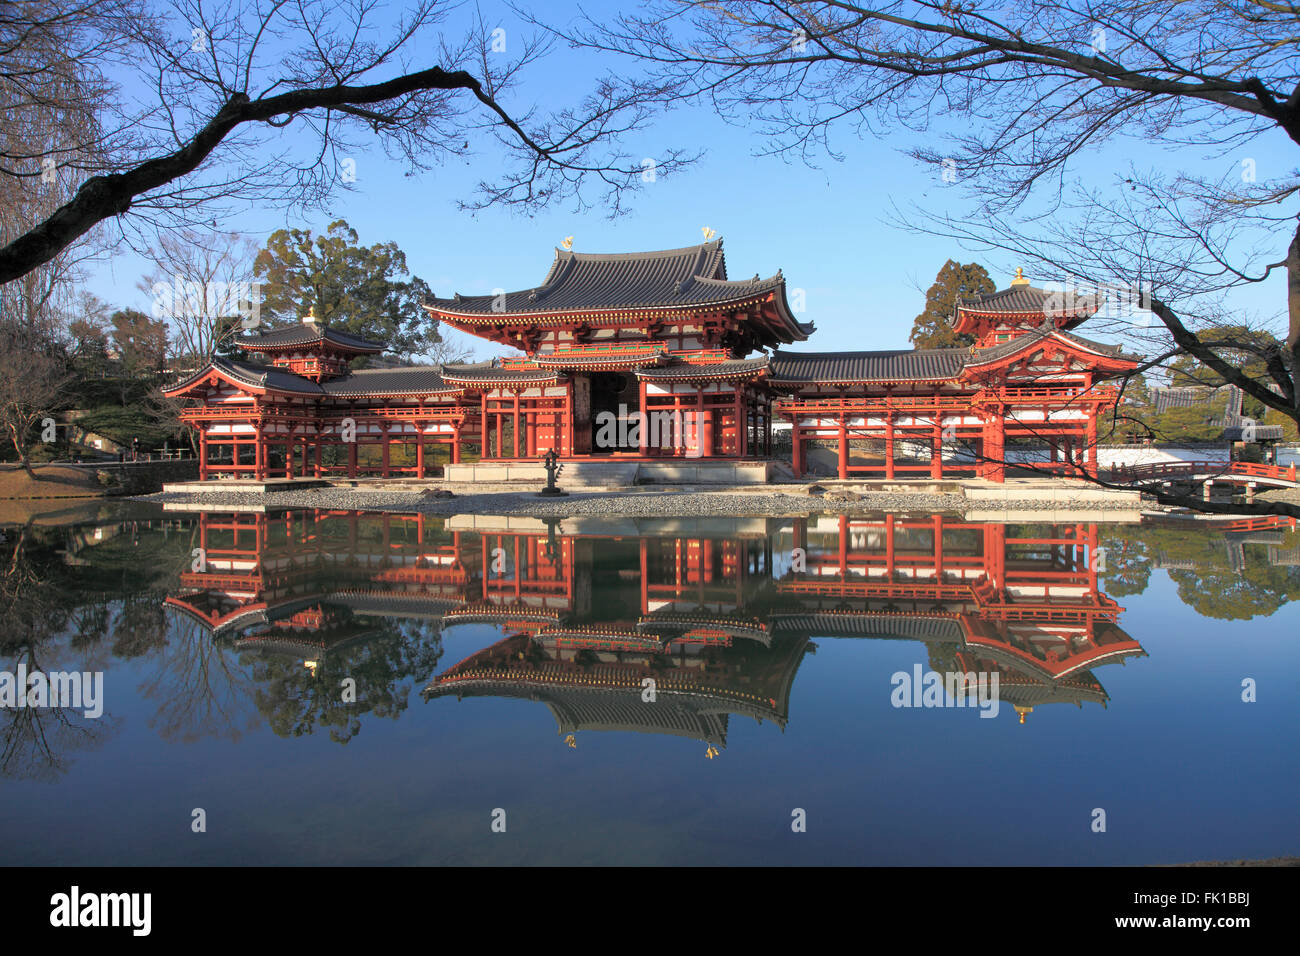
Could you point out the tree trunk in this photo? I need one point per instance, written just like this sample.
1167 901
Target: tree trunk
22 453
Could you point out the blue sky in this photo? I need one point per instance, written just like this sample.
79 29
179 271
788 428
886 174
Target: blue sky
825 227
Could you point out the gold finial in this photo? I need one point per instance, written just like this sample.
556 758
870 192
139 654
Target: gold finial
711 752
567 243
708 233
1023 711
571 741
310 317
1020 277
311 666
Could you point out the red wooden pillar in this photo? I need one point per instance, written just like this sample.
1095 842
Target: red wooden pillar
889 439
384 452
703 433
1090 444
259 453
352 457
455 444
203 454
515 423
316 446
643 439
419 452
936 449
998 469
844 443
796 445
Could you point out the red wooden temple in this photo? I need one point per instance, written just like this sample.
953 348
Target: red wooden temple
1028 379
650 356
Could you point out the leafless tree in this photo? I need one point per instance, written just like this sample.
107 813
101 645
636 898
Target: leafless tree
205 107
202 285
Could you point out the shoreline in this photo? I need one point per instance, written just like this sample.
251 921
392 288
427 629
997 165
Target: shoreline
645 501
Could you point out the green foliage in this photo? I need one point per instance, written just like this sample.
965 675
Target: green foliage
123 423
933 327
353 288
141 342
1201 565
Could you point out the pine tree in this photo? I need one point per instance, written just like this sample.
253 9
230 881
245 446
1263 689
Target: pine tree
933 327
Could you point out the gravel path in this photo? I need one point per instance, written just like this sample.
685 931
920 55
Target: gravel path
631 502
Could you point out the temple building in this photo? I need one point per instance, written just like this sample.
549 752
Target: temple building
655 358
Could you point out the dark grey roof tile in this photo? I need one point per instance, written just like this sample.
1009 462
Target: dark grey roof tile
849 367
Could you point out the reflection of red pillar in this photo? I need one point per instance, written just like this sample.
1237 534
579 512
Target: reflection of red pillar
938 548
844 547
889 547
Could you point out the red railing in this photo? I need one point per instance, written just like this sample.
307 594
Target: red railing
1209 469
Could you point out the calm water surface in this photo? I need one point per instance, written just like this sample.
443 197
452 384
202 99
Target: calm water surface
336 687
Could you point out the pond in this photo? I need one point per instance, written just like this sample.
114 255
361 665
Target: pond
313 687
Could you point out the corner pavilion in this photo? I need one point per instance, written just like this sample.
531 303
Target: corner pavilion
664 340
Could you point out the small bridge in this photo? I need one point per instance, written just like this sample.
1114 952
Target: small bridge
1246 474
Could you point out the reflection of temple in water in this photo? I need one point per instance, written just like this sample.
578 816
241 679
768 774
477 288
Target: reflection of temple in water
648 626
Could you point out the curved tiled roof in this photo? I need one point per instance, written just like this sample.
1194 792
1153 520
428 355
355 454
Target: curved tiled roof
485 373
704 371
1020 299
621 358
304 334
685 278
578 281
416 380
995 352
258 376
853 367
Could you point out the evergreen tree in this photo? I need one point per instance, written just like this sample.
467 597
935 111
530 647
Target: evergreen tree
933 327
351 288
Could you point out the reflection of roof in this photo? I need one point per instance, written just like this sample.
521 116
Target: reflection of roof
692 702
906 627
395 603
306 334
679 623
